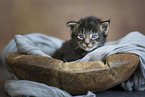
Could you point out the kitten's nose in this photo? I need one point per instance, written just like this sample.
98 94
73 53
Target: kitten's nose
87 44
87 41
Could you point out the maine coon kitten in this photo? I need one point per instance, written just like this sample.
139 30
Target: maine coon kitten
86 35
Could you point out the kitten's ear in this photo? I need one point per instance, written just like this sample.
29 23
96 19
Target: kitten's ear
104 26
72 25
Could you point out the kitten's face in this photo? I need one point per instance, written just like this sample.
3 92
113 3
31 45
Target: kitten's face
88 40
89 32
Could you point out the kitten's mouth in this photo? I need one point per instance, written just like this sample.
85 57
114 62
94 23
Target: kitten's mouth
88 47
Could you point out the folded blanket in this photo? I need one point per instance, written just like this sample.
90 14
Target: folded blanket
39 44
24 87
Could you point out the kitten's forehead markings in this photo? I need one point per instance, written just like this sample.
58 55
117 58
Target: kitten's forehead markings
83 30
91 31
87 35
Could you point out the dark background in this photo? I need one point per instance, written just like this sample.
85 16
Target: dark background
50 17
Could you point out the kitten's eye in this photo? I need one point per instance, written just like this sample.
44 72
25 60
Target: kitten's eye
81 36
94 36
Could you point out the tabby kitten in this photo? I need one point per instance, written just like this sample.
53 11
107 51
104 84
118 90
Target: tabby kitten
86 35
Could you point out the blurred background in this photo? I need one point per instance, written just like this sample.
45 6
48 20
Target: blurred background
50 16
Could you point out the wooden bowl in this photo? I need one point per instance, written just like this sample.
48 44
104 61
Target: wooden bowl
75 78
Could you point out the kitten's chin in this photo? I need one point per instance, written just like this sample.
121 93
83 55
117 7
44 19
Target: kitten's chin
88 48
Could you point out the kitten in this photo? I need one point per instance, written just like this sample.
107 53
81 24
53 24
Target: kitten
86 35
